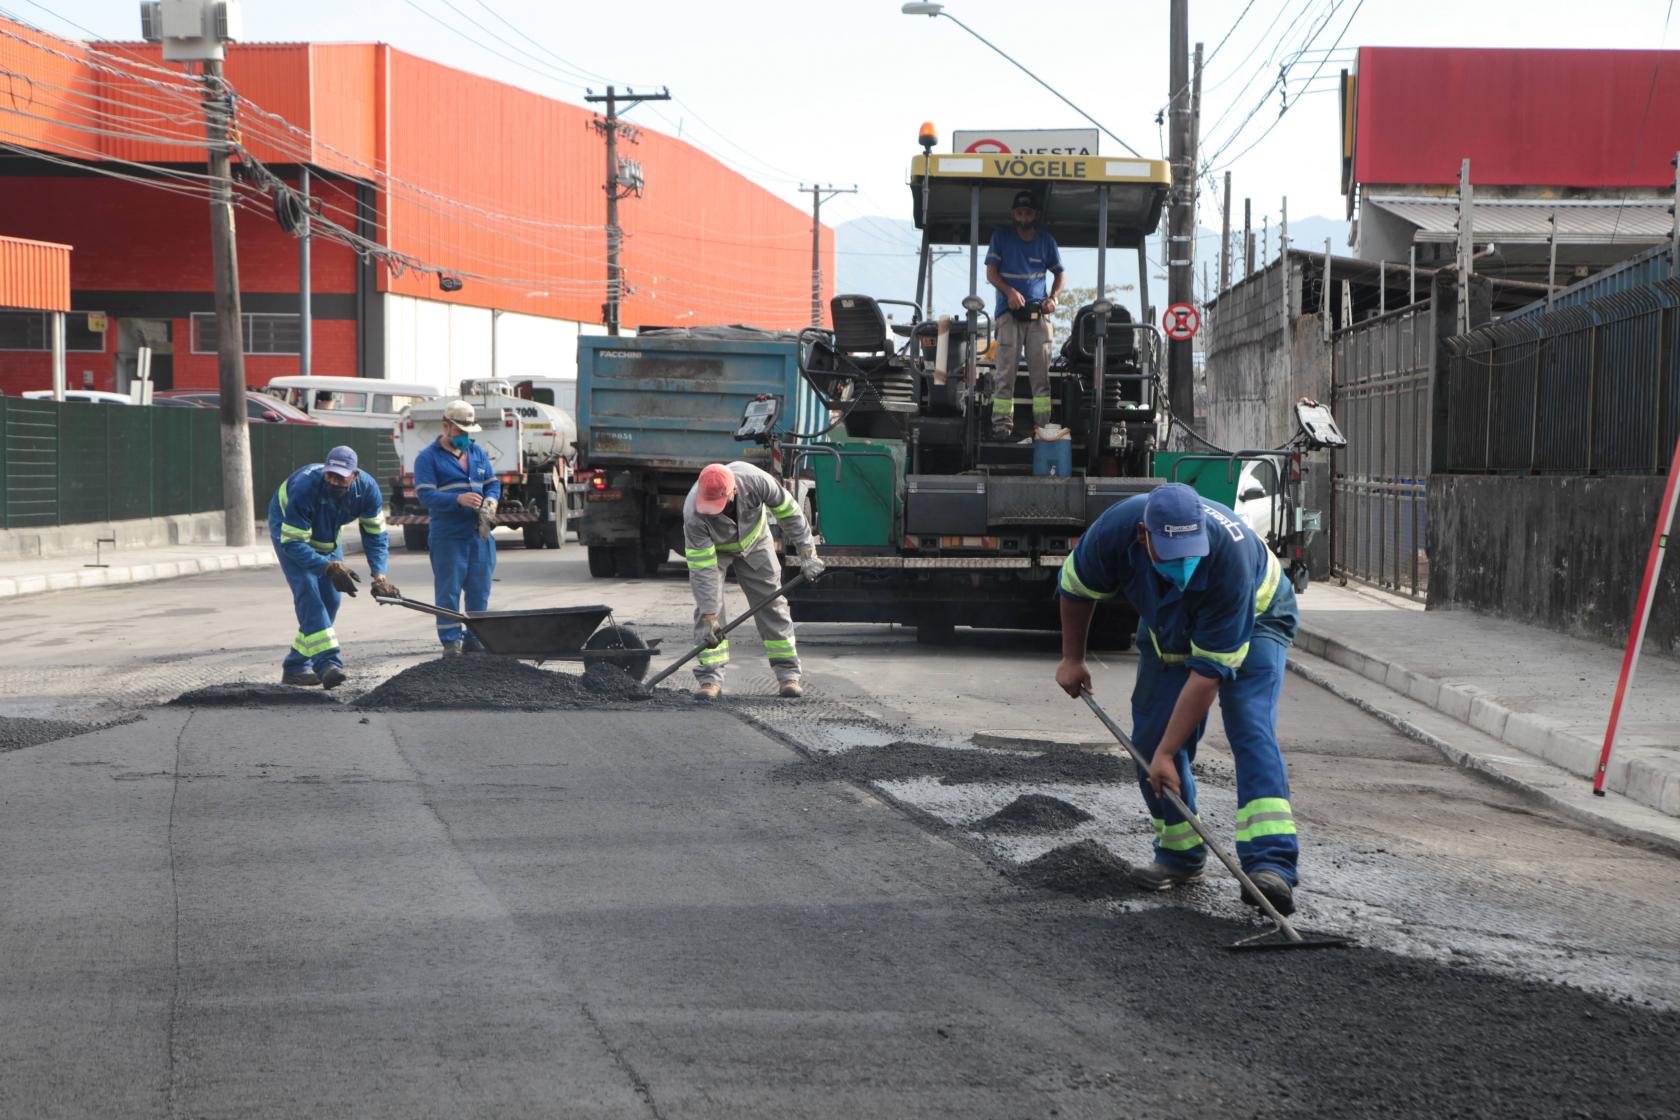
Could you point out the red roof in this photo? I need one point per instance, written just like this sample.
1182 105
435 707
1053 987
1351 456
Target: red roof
1560 118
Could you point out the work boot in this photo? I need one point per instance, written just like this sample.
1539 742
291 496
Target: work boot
1002 432
1275 888
1163 876
791 690
452 649
711 690
333 676
305 679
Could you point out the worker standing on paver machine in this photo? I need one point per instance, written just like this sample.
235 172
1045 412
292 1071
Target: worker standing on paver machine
1216 618
306 519
1016 260
453 479
725 522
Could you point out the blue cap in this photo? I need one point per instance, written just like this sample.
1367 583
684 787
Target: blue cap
342 462
1176 522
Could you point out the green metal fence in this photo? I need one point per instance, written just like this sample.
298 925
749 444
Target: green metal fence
62 464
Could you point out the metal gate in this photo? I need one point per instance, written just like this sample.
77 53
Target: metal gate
1380 378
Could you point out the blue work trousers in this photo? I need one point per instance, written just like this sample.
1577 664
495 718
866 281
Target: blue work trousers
315 600
461 565
1248 705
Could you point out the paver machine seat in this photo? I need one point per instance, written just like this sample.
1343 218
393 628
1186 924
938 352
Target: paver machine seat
859 368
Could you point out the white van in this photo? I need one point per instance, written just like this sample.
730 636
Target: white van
358 402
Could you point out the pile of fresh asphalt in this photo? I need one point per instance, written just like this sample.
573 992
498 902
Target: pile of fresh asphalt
18 732
1085 870
1033 812
502 684
250 694
904 760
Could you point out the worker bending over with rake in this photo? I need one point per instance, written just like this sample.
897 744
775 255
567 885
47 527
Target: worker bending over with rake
1216 618
726 522
306 519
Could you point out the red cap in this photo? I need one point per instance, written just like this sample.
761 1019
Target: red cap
717 486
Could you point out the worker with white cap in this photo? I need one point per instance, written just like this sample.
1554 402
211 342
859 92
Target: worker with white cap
306 519
1216 619
454 480
726 523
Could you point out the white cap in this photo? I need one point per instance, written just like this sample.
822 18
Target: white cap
461 414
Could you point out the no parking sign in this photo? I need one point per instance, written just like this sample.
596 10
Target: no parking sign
1181 322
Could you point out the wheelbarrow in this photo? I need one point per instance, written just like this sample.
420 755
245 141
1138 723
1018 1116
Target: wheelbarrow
549 634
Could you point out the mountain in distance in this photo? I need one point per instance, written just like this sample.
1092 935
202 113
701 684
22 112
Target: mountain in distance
877 257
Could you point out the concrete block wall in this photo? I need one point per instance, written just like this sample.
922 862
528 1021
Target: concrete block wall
1564 552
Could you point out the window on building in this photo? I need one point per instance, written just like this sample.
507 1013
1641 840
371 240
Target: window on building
264 334
32 330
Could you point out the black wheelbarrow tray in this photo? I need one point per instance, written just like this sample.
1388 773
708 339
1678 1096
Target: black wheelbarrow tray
550 634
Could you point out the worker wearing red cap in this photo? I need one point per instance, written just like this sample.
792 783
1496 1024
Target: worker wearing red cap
726 523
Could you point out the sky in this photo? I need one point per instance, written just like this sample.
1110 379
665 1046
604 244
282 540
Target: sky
796 92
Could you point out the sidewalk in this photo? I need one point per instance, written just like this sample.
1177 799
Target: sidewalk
128 565
1535 691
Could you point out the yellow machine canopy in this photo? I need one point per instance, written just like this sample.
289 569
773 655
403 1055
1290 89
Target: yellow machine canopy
1069 190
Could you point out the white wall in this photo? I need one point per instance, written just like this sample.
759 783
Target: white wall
442 344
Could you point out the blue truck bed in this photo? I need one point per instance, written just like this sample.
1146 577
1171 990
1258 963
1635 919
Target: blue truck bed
669 402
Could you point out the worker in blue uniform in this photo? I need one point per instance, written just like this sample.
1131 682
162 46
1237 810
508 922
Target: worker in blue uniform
306 519
1216 619
454 480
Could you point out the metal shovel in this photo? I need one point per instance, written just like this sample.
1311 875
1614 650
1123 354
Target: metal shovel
698 648
1292 937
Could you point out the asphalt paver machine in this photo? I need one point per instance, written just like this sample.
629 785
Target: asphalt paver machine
926 520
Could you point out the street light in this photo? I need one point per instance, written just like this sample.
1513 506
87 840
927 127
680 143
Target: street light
919 8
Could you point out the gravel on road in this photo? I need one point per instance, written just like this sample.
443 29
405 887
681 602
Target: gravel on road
485 683
899 761
1033 812
18 732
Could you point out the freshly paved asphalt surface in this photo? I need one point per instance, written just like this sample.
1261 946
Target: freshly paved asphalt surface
324 911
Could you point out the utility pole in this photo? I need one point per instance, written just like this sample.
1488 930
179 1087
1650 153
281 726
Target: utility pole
306 324
819 195
1181 229
1225 240
1466 241
237 501
619 185
1248 237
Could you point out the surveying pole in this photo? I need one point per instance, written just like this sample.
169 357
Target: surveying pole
610 127
819 195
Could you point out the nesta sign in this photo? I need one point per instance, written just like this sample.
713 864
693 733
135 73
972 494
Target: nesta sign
1027 142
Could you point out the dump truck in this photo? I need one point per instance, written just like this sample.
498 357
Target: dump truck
925 519
532 447
654 409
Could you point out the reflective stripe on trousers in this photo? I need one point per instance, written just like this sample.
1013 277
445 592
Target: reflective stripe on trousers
758 573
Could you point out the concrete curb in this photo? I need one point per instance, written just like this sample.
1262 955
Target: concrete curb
71 580
1597 814
1647 775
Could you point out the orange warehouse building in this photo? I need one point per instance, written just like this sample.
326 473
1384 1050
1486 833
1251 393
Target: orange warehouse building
418 172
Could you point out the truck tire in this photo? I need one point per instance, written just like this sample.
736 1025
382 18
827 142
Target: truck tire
416 537
618 637
654 553
551 533
531 535
603 561
632 561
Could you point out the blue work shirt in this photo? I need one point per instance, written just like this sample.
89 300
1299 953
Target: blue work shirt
1022 264
1236 594
306 519
439 479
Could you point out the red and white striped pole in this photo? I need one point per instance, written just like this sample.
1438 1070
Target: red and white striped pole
1642 615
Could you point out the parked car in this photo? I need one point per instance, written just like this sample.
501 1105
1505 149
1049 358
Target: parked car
357 402
81 396
1257 496
258 406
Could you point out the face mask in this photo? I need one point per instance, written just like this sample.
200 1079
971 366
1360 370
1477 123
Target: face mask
1178 572
460 442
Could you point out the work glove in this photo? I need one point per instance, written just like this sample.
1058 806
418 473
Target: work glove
811 565
342 577
384 588
486 517
714 631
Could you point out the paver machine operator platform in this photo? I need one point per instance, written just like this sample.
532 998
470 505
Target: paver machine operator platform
926 518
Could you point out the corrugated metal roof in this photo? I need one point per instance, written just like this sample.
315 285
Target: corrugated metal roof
34 275
1640 271
1579 222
